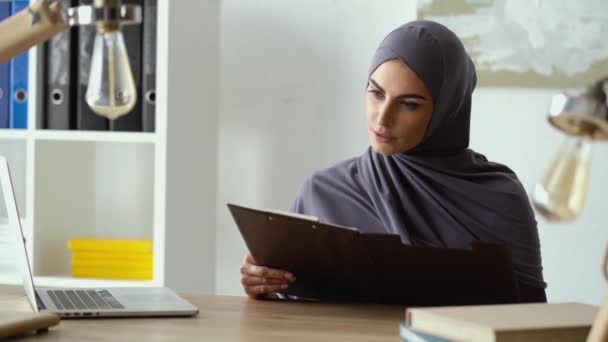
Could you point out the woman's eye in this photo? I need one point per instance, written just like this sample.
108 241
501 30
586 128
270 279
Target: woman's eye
410 105
375 92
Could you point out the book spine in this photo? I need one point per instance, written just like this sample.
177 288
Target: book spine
19 79
104 273
409 335
149 67
60 78
130 246
112 263
92 255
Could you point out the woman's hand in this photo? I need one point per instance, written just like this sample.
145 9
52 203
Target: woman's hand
259 281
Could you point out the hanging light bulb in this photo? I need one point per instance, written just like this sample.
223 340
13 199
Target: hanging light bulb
561 194
111 90
584 118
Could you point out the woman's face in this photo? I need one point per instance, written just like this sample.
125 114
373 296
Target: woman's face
398 108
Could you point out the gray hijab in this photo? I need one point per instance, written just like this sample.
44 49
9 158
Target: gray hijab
439 193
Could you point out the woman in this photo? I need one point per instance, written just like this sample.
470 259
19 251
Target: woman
419 179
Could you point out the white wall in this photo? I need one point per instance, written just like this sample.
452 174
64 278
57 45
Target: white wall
292 81
292 78
191 90
508 125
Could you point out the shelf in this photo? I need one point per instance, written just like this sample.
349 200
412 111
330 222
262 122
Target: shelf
58 135
89 189
127 185
6 133
50 281
15 152
6 235
94 136
13 278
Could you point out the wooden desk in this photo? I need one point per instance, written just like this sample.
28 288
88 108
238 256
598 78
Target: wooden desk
224 318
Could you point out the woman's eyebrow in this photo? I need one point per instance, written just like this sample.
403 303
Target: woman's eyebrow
371 80
402 96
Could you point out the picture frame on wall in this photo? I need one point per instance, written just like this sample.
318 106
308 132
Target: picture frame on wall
528 43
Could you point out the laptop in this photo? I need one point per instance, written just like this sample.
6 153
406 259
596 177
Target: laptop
87 302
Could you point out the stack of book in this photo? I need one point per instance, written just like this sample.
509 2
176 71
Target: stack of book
499 323
111 259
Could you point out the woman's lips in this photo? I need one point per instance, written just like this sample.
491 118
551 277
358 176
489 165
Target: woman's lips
383 138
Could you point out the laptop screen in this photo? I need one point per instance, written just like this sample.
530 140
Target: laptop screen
15 233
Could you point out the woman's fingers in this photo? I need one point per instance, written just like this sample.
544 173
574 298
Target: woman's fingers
264 289
266 272
253 280
249 259
261 281
251 268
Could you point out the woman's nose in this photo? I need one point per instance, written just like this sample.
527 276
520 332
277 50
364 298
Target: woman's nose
385 114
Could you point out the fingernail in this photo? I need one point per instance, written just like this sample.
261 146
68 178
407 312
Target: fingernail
284 286
290 276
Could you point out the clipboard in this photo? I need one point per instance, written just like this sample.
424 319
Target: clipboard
334 263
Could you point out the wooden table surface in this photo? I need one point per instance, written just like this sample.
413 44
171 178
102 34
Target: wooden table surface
227 318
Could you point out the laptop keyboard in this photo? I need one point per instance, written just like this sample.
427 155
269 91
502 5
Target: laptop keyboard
84 299
39 301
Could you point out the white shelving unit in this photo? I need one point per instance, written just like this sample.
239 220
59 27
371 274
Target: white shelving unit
158 186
